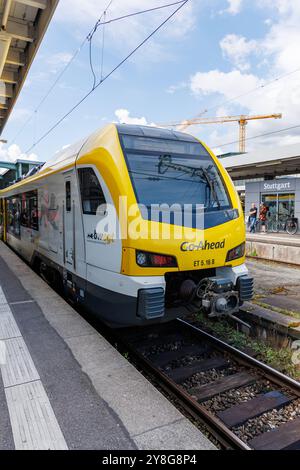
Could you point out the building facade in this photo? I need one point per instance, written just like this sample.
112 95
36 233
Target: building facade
15 171
281 196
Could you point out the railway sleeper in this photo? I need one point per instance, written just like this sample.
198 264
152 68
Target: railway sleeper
239 414
230 382
285 437
180 374
163 359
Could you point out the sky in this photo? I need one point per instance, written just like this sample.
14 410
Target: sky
211 52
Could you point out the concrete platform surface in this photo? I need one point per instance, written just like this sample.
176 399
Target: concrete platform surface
280 238
279 247
63 386
274 278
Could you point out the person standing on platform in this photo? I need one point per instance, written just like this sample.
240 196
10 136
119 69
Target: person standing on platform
263 211
252 217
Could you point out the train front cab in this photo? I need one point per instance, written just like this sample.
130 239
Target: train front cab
164 277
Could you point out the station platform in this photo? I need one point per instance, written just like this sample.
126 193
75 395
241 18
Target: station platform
63 386
279 247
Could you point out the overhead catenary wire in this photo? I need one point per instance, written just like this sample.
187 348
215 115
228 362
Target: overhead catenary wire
60 75
90 40
252 90
242 95
265 134
49 91
113 20
78 50
128 56
99 23
91 63
102 49
141 12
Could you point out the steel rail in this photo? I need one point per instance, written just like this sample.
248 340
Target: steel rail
197 411
272 374
190 405
223 434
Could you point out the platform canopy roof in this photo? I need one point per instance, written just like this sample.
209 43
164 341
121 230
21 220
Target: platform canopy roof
270 162
23 25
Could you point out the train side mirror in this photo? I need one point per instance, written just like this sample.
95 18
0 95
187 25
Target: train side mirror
102 211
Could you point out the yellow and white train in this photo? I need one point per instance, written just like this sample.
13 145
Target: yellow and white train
86 219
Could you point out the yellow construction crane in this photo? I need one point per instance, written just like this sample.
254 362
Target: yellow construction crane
242 120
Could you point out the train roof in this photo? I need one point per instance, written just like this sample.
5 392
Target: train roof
69 153
67 156
154 132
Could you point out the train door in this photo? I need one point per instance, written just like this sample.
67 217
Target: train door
53 226
103 249
69 247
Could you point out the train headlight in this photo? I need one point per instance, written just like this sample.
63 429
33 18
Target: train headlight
235 253
153 260
141 258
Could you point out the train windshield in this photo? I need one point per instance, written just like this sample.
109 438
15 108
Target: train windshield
174 172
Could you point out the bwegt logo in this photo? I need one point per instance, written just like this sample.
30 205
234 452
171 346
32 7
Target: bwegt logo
2 353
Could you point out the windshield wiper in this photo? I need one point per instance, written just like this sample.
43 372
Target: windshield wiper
166 161
211 185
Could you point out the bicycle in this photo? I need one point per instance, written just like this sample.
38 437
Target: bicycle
288 225
271 225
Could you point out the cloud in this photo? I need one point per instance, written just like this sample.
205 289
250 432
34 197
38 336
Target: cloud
268 21
234 7
281 97
228 84
282 6
61 58
86 13
58 61
173 88
14 153
278 48
237 49
282 43
274 55
20 114
124 117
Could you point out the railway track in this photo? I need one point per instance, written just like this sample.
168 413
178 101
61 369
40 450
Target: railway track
215 383
222 387
243 403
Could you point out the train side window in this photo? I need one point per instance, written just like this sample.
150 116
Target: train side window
33 210
24 211
91 192
14 215
29 210
68 196
1 211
